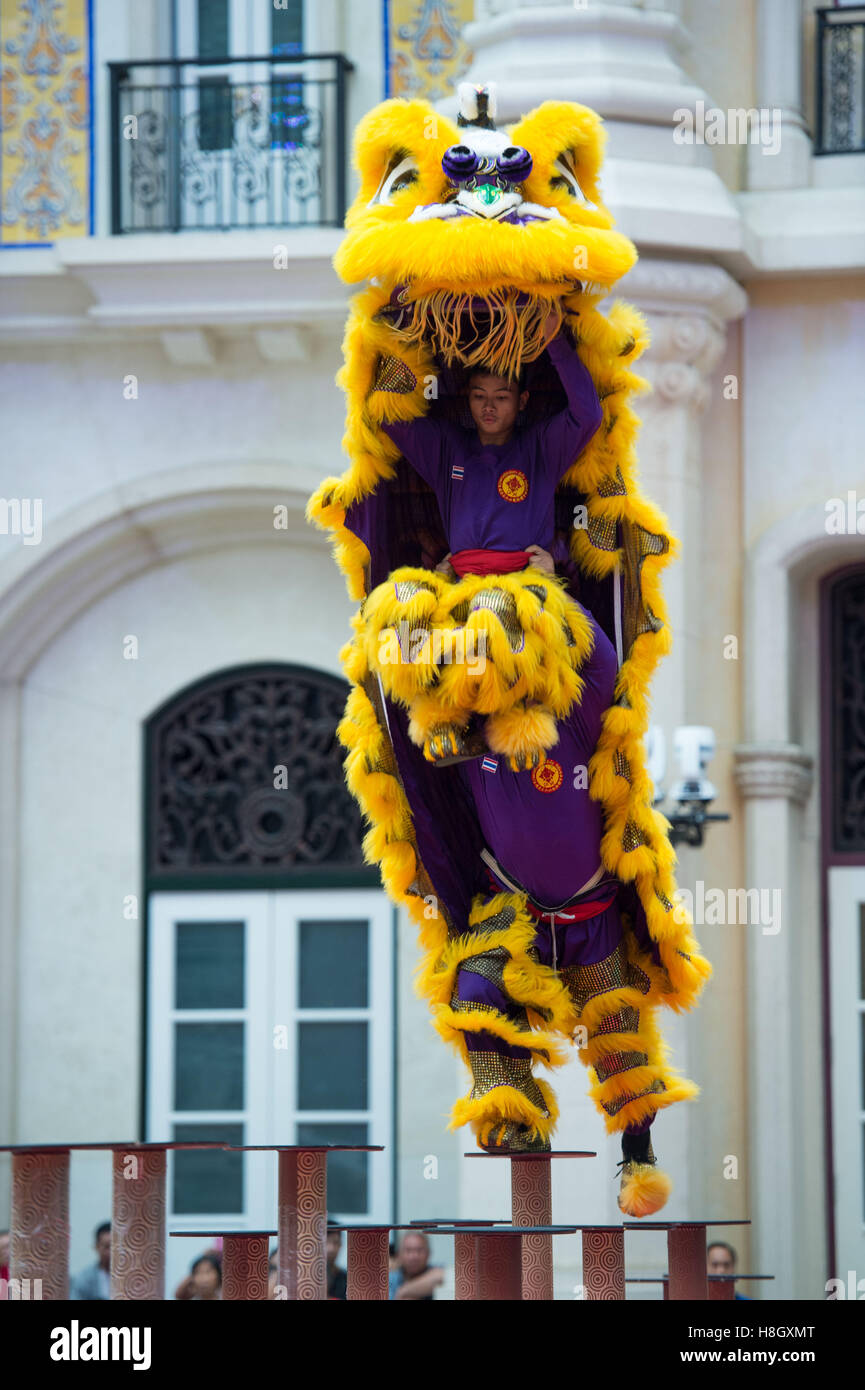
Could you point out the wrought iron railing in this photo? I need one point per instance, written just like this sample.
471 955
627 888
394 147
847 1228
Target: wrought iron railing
840 85
200 144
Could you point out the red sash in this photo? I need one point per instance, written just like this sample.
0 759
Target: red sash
578 913
489 561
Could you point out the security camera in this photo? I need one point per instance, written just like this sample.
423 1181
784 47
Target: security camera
694 748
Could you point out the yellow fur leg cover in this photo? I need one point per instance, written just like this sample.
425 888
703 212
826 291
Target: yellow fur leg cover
621 1044
497 948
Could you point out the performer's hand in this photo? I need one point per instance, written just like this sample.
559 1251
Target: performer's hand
445 567
542 559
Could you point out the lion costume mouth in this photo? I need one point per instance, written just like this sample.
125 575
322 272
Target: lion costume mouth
500 330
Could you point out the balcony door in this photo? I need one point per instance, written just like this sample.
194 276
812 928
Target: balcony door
249 133
270 1016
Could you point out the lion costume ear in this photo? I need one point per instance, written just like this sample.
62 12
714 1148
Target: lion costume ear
566 142
398 148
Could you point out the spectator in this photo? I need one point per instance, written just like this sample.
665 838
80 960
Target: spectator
414 1276
206 1277
95 1281
337 1279
721 1259
273 1272
186 1288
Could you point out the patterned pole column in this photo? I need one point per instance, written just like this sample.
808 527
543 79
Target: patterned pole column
368 1265
499 1267
465 1274
39 1244
604 1263
686 1261
532 1205
138 1225
303 1223
722 1289
245 1266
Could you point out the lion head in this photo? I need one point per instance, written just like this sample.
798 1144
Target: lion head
477 234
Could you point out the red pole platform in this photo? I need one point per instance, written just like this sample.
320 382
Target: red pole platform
302 1212
532 1205
138 1225
39 1230
245 1261
604 1262
368 1264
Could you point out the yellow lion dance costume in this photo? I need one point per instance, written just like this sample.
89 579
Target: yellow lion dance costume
469 240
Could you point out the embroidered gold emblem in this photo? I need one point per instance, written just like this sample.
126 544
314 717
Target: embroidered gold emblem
548 777
513 485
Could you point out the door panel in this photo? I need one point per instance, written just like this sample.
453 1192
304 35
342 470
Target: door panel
847 992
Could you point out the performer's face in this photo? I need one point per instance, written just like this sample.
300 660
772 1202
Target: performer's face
494 403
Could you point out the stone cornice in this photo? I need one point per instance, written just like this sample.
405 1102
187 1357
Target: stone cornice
773 769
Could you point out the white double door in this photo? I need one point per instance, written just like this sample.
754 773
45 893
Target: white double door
847 993
270 1021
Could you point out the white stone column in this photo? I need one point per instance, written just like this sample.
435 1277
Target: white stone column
774 778
687 306
622 60
779 95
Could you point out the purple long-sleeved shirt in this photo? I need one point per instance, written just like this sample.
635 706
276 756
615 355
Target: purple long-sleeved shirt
501 496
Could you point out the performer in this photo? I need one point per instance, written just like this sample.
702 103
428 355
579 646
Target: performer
495 487
509 803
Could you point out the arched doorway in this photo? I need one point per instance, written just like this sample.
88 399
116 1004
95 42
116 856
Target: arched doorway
269 946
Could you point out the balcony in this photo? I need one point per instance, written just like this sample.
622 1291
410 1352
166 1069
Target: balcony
840 81
216 144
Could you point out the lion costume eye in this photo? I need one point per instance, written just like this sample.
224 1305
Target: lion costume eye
566 181
401 173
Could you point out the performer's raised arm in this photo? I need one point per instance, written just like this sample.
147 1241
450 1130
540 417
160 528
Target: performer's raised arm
565 436
423 442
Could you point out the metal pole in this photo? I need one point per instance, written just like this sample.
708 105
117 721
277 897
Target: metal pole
302 1223
368 1264
532 1205
138 1225
245 1266
686 1255
40 1224
499 1267
604 1263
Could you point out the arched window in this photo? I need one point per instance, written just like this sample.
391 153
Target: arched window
245 784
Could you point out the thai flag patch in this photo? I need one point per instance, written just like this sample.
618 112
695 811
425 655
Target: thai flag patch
490 765
458 472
